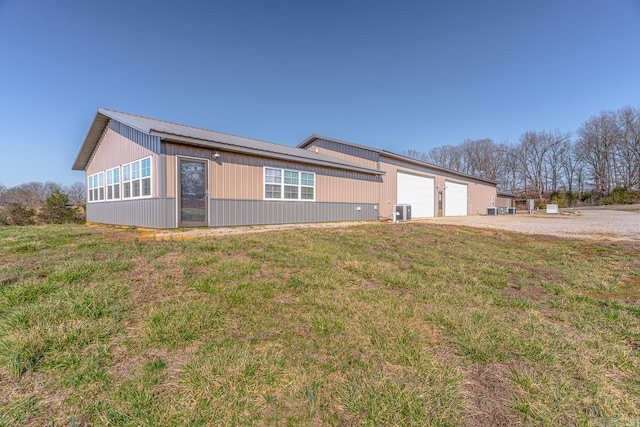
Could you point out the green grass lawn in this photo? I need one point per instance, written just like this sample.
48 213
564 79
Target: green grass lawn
378 324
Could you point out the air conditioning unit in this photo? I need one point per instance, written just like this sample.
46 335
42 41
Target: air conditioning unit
401 212
492 211
511 211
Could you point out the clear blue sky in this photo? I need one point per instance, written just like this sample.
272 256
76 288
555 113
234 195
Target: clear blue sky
397 75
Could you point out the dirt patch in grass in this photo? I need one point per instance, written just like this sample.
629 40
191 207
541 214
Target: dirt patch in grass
488 396
531 292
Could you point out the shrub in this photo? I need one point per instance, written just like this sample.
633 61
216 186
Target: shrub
621 196
57 210
17 214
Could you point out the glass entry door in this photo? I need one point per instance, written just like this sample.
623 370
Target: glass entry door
193 197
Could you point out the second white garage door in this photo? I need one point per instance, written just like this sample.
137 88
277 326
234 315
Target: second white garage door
416 191
455 199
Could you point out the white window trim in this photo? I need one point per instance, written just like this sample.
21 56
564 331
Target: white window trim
139 179
282 185
90 188
107 185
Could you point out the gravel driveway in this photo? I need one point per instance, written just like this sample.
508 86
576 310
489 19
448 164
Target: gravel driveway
600 224
593 223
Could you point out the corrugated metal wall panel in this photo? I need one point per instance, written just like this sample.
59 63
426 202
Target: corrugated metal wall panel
151 213
115 150
253 212
145 140
346 152
480 198
241 177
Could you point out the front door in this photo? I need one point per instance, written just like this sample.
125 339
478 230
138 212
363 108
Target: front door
193 193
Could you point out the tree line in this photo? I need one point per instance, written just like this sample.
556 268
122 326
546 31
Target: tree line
37 202
599 163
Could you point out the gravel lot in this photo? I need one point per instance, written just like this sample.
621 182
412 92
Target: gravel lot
595 224
602 223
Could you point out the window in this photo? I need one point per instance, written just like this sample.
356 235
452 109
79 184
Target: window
126 178
113 184
272 183
284 184
146 176
136 179
96 187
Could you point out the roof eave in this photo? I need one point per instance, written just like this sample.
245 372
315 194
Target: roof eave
262 153
91 140
439 168
315 136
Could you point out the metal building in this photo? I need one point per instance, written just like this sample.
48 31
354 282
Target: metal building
152 173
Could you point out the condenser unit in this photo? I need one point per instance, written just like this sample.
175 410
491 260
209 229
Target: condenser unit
401 212
511 211
492 211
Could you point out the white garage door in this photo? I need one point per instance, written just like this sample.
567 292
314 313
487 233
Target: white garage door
416 191
455 199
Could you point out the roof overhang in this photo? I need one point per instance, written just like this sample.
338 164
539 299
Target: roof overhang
308 141
102 117
262 153
437 168
90 142
314 137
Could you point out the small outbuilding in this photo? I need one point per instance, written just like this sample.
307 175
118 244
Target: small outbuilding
152 173
505 200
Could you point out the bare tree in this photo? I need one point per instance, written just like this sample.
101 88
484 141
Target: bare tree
479 158
559 146
539 156
34 193
449 157
416 154
629 147
28 194
77 193
570 164
604 155
597 144
509 176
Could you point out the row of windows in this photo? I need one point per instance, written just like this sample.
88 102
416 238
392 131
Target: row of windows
284 184
135 182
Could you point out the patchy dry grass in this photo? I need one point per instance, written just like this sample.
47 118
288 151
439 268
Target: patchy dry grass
407 324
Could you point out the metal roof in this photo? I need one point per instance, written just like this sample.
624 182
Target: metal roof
391 154
203 137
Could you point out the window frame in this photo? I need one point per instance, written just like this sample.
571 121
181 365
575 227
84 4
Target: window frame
136 179
113 184
283 177
94 195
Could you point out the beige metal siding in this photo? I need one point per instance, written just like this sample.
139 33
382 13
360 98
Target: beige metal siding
389 189
235 176
116 150
479 194
480 198
504 202
357 155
